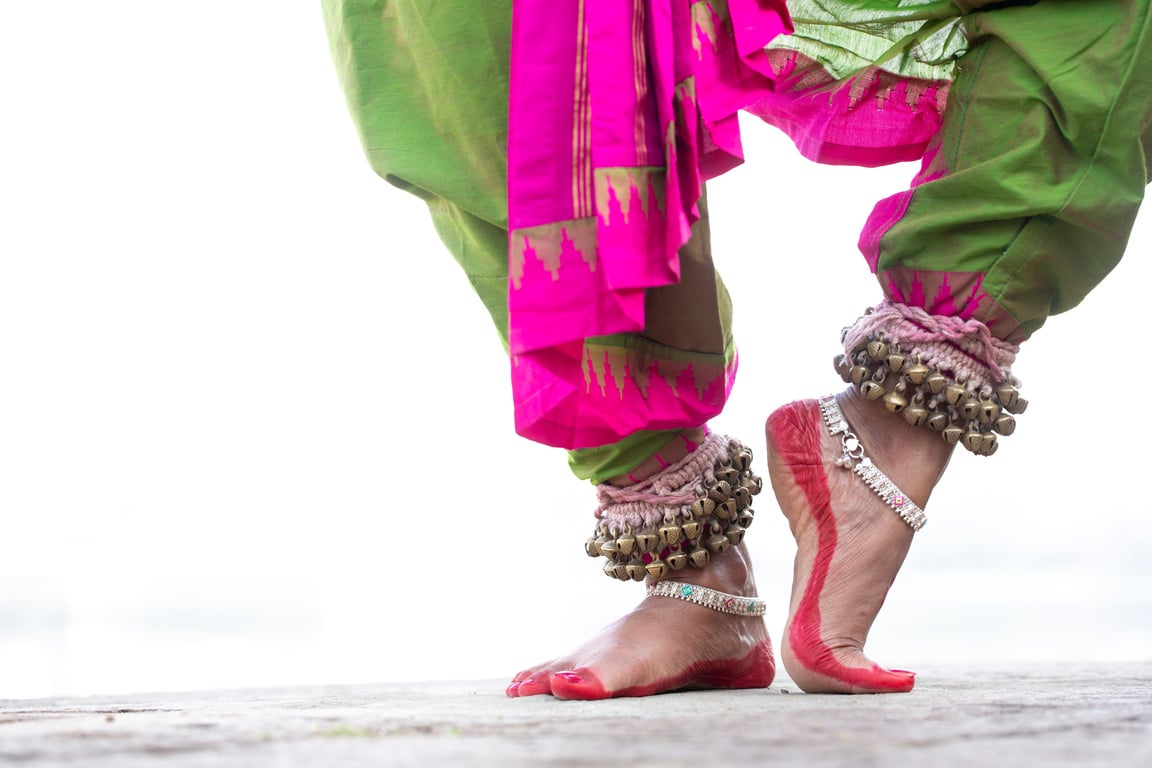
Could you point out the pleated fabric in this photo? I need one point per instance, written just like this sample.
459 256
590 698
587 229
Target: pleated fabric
562 146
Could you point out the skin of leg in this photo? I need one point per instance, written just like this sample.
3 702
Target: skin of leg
455 160
850 544
984 234
667 644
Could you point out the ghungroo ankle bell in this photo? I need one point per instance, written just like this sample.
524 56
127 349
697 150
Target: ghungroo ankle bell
679 518
943 373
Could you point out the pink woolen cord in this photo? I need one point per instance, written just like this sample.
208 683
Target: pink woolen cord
670 490
963 346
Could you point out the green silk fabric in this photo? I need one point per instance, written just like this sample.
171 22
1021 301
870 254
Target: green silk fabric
1032 183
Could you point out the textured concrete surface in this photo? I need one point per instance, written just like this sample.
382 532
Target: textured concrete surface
1083 716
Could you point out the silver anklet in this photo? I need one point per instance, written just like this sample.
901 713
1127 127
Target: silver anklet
853 458
709 598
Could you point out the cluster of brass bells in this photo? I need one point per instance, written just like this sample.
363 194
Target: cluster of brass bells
711 524
932 398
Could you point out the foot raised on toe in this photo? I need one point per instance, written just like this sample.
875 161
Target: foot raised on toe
850 542
666 645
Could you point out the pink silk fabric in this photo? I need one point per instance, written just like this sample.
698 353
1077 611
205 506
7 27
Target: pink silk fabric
619 110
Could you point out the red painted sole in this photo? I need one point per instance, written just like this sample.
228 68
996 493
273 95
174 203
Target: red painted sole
794 435
756 670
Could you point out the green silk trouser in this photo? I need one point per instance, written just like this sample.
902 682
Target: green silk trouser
1033 182
1028 192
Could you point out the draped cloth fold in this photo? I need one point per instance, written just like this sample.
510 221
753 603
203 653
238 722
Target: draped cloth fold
618 112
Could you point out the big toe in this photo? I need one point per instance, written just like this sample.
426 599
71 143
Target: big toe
578 684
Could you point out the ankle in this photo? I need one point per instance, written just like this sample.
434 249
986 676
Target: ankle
730 571
915 459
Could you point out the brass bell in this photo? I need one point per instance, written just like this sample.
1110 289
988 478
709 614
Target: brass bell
743 498
936 382
609 549
669 534
621 572
954 393
626 545
952 434
743 460
895 402
677 561
1021 406
896 362
754 484
610 570
1009 396
877 350
699 557
871 390
973 439
917 415
646 542
936 422
592 547
843 367
727 510
989 412
657 569
636 571
980 443
692 530
918 373
746 517
969 408
730 475
703 507
1005 424
858 374
720 492
717 543
735 534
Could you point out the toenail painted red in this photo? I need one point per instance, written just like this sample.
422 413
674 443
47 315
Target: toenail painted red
571 677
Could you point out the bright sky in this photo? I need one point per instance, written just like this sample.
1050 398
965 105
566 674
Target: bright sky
255 429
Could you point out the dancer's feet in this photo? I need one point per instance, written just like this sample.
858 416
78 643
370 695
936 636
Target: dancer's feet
666 645
850 544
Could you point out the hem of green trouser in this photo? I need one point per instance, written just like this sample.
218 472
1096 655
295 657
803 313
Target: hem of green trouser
603 462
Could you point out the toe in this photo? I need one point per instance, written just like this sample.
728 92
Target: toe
537 685
578 684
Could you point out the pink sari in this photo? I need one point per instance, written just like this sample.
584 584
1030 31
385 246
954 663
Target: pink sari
619 110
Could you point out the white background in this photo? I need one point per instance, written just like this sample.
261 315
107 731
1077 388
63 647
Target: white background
254 428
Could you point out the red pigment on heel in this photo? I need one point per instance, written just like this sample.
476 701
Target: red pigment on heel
794 431
756 670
